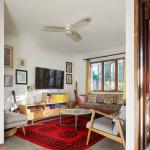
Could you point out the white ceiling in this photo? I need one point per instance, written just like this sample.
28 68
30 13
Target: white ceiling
106 30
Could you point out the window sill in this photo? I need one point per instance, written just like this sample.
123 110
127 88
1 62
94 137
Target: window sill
107 92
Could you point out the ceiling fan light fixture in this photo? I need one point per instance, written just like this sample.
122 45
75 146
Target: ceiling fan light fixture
70 30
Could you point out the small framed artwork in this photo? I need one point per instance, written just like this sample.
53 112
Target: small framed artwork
8 56
8 80
21 76
22 63
68 78
69 67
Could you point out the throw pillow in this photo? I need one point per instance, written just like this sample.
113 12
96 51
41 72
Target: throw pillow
100 98
91 98
109 100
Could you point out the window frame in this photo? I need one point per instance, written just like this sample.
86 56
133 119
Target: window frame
116 74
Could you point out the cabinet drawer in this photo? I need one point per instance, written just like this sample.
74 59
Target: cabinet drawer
52 112
30 116
38 114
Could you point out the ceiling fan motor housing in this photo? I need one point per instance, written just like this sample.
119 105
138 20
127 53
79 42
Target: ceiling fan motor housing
68 32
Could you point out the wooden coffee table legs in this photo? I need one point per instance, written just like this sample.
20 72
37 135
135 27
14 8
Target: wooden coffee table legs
75 124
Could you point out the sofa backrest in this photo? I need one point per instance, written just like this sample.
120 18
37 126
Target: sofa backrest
105 98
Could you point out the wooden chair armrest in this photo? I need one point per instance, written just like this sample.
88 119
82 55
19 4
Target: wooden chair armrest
114 118
103 114
121 120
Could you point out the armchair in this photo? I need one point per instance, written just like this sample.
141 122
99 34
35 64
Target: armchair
12 118
109 126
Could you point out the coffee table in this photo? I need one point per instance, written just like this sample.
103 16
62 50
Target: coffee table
75 112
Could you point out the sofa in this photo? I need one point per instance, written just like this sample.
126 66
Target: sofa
107 103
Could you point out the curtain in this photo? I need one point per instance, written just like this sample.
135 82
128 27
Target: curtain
88 75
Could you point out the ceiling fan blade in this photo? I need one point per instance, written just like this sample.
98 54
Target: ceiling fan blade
75 36
54 29
80 24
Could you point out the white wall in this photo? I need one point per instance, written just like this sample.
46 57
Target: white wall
130 77
81 66
26 46
1 71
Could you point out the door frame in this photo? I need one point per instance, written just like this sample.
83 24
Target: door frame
144 69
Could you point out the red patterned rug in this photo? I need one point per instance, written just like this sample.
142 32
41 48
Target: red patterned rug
51 135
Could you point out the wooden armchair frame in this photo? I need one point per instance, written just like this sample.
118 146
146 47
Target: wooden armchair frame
118 121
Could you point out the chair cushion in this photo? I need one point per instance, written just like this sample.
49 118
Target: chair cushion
102 124
11 117
15 124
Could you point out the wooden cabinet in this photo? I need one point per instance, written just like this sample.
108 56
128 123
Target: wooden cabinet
52 112
45 110
30 116
38 112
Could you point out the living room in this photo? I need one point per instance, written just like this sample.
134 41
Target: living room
64 75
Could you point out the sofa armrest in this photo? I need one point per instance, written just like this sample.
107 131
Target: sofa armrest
82 99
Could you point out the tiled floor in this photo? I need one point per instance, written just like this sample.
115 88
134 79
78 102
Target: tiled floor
16 143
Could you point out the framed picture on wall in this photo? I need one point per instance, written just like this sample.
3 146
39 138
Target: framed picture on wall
22 62
8 56
21 76
68 78
8 80
69 67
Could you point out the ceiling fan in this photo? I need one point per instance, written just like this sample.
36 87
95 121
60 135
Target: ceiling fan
70 30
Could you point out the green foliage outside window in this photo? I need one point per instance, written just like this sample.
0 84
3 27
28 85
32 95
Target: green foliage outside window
109 75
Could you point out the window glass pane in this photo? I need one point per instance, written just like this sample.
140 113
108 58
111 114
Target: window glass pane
113 76
96 76
109 75
121 64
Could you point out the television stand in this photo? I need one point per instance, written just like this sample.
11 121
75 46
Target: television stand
44 110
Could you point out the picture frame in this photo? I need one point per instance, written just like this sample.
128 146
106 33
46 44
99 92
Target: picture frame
22 63
8 56
68 78
68 67
21 77
8 80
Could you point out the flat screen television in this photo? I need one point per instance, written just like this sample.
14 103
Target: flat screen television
49 78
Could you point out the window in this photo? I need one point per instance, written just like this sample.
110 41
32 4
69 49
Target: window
107 75
96 76
121 64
